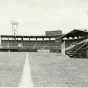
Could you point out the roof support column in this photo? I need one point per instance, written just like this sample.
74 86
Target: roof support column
0 40
63 47
36 38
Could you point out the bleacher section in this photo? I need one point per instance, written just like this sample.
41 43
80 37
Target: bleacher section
75 50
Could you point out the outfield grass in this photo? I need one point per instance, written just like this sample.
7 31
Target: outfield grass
47 70
11 65
54 70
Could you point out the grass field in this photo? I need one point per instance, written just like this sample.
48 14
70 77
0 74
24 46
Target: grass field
47 70
11 65
54 70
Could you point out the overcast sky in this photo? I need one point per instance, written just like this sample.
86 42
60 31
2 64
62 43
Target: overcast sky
37 16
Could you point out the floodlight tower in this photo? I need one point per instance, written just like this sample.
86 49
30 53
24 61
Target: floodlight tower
14 25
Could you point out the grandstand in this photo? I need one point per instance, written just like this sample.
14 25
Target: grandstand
30 43
76 43
72 44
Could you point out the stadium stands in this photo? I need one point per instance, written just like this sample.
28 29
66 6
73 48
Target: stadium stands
31 43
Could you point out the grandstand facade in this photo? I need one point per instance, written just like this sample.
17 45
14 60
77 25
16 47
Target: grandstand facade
31 43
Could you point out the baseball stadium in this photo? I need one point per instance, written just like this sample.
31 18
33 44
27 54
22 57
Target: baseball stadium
55 59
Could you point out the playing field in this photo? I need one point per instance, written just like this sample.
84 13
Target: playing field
54 70
11 65
47 69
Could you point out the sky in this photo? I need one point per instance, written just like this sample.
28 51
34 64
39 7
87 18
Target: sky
37 16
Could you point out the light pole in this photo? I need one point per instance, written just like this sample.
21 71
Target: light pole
14 25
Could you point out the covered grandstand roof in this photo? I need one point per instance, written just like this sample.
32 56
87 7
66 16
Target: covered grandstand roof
76 33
